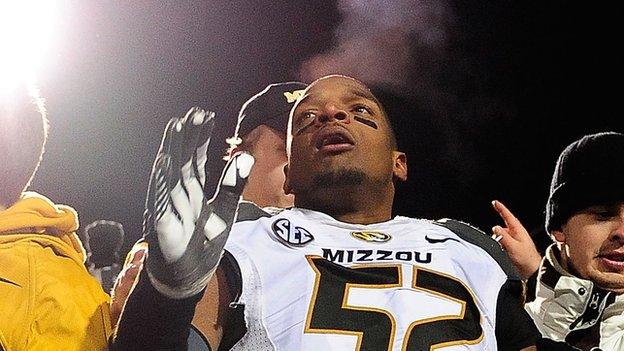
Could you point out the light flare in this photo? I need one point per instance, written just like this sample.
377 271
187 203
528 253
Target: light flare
27 30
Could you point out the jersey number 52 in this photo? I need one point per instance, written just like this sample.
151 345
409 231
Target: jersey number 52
375 328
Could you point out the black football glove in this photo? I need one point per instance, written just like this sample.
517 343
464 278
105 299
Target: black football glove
186 228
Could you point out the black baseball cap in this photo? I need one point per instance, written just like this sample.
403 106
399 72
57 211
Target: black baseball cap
270 107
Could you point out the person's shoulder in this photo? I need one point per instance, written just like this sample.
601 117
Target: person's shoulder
249 211
475 236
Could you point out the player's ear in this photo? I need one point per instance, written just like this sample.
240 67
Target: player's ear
287 188
558 235
399 167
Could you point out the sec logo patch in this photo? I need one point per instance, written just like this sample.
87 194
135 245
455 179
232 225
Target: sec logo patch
290 234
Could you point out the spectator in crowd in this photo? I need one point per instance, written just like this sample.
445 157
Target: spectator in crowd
103 241
580 281
48 299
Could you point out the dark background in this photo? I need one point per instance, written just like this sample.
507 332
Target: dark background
485 94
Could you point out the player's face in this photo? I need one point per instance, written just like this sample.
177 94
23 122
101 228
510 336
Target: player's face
594 245
339 133
266 179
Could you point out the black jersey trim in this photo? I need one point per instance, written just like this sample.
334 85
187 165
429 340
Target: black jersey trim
204 345
233 277
514 330
248 211
234 327
477 237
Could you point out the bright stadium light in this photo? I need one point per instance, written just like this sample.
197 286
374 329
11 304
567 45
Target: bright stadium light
26 30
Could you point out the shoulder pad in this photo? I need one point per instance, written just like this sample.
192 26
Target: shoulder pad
197 341
479 238
248 211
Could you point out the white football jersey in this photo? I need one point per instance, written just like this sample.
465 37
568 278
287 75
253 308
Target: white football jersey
310 282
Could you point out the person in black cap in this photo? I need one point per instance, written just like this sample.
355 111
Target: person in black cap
260 131
580 280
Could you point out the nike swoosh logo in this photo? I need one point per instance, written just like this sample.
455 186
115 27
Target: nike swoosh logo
437 241
2 280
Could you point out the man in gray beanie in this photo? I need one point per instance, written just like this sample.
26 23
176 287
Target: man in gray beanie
580 281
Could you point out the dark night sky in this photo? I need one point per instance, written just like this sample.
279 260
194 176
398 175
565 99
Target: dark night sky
485 93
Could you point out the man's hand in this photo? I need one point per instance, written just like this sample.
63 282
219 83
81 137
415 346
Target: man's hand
516 240
185 228
126 280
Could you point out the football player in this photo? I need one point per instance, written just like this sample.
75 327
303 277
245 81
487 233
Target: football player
336 272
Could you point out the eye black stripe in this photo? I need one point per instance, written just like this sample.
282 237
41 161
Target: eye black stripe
368 122
302 129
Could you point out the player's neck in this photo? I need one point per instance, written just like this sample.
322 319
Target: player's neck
365 217
355 206
265 196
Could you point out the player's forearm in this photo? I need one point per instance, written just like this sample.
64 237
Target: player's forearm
152 321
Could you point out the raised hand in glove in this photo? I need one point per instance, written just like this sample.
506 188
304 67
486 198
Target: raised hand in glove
186 228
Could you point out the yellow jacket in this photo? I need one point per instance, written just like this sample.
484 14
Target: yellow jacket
48 300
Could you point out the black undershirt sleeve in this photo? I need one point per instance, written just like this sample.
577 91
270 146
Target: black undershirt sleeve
152 321
531 287
515 329
545 344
